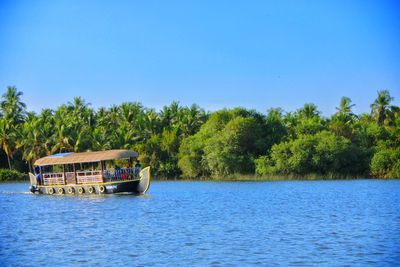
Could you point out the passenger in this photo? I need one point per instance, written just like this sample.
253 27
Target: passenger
137 167
117 172
36 170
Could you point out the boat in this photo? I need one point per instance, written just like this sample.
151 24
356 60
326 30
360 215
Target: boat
96 172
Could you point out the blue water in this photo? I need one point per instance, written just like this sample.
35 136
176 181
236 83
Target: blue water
297 223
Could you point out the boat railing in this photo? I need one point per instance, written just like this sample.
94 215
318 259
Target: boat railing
53 178
88 177
120 174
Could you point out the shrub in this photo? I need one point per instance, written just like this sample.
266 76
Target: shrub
385 163
11 175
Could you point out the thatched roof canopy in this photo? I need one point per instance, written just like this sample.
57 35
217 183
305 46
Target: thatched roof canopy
69 158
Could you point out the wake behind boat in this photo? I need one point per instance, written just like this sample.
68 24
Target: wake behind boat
90 173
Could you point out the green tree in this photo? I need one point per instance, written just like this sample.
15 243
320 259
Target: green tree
380 108
7 139
12 107
233 149
275 128
322 153
386 163
13 111
342 122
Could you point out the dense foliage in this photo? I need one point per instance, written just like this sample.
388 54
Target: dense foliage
181 141
12 175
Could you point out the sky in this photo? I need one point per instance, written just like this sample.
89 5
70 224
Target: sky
253 54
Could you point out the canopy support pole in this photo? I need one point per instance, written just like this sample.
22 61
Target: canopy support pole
65 177
41 175
102 170
76 178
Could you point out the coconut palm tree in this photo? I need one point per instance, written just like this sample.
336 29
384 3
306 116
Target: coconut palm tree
380 109
32 140
62 130
308 111
7 139
12 107
128 111
170 115
13 111
345 107
100 139
46 124
191 119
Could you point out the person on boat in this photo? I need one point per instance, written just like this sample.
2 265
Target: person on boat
127 172
137 167
36 170
117 172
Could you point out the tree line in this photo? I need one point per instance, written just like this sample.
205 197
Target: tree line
188 142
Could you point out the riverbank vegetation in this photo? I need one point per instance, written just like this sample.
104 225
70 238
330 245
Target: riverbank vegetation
7 175
188 142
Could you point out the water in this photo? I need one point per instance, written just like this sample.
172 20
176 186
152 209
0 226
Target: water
320 223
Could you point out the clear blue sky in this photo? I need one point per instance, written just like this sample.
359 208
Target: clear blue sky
255 54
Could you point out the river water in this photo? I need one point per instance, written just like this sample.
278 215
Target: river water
297 223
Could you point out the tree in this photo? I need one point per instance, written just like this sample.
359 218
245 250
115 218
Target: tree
308 111
380 108
342 121
12 107
191 119
345 107
31 140
233 149
7 139
61 138
275 128
386 163
13 110
322 153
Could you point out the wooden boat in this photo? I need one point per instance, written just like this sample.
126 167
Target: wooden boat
89 173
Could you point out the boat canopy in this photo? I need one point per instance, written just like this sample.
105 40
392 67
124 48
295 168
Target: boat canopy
70 158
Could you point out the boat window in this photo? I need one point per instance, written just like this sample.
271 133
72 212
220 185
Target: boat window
69 168
58 168
122 163
88 166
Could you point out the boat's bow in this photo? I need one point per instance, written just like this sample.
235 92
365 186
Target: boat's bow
144 182
32 179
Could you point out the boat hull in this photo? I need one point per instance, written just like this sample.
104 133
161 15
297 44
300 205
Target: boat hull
102 188
139 186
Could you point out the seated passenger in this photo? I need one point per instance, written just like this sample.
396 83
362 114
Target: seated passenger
117 172
137 167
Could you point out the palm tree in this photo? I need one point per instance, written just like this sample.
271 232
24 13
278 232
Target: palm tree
191 120
345 106
7 139
308 111
13 110
148 123
380 109
31 140
100 139
12 106
47 128
62 127
170 115
128 111
78 105
342 120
